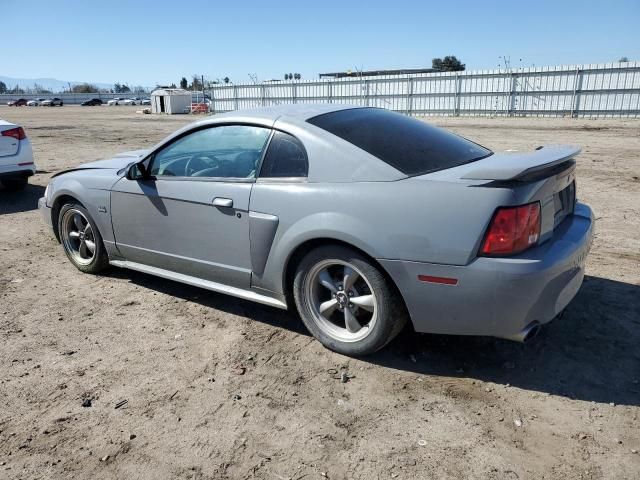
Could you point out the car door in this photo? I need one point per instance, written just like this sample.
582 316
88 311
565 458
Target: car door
190 213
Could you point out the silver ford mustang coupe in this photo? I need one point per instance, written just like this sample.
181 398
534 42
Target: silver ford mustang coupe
362 217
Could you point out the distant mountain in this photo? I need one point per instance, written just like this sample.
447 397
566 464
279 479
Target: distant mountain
52 84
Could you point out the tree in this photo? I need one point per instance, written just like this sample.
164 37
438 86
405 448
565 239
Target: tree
447 64
121 88
196 82
184 84
226 80
3 87
623 59
84 88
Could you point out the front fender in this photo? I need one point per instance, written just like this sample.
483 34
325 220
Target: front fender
93 193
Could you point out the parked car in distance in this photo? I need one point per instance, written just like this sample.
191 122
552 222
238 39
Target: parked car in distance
115 101
130 101
16 156
145 101
360 217
21 102
52 102
35 103
91 103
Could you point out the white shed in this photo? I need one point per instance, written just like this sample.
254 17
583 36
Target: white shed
170 100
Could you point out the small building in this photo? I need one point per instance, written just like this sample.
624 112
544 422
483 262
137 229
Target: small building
170 100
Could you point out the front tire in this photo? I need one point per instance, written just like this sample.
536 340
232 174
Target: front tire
346 301
81 239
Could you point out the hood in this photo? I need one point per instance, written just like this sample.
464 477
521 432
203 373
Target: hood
119 161
115 163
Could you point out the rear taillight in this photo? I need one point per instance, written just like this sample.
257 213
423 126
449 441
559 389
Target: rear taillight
512 230
17 133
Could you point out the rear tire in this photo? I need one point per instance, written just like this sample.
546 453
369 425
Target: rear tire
81 239
346 301
14 184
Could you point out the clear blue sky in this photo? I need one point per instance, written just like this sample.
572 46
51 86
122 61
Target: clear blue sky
149 42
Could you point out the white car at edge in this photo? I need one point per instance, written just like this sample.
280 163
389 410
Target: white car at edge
16 157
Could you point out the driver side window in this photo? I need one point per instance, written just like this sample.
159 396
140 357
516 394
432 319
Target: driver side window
228 151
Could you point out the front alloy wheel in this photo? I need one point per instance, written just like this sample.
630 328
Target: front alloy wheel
81 239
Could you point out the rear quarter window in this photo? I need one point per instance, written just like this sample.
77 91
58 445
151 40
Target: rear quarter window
285 157
411 146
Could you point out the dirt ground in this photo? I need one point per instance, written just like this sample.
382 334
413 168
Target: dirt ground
218 387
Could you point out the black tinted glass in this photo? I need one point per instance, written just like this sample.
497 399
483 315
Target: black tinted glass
409 145
286 157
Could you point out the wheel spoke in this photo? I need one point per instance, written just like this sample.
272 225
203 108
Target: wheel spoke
77 219
91 246
83 249
73 234
326 281
350 277
351 322
364 301
328 307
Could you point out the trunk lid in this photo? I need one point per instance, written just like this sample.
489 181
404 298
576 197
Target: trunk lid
8 145
513 165
545 175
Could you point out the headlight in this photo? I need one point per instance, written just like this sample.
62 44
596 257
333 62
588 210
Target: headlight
47 192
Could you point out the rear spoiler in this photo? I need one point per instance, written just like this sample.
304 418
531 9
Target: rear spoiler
522 165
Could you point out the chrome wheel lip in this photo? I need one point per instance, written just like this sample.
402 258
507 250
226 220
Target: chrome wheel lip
313 285
77 237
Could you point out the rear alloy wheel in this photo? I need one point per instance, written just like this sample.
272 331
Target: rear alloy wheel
346 302
81 239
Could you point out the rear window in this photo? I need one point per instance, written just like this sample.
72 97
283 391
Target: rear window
409 145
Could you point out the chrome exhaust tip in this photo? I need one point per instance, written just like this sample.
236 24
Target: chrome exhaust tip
526 334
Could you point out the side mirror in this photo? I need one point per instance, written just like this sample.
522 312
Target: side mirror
135 172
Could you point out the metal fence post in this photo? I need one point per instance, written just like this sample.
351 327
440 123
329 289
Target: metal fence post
456 107
262 95
294 93
366 93
575 98
512 94
236 102
329 91
409 96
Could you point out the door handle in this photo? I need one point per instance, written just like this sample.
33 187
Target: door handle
222 202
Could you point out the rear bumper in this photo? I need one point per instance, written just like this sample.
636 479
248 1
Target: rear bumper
17 170
21 164
499 296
